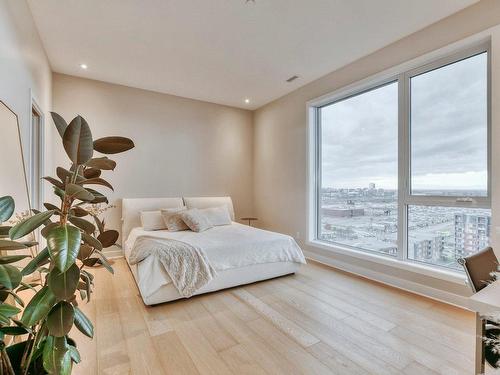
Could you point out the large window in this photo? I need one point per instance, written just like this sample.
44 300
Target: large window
402 164
359 170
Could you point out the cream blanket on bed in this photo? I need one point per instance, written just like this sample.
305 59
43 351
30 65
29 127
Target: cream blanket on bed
187 265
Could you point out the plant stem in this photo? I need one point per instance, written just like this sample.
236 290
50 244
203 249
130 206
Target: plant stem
26 350
67 201
7 362
33 347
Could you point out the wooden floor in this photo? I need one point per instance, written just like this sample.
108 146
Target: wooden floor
319 321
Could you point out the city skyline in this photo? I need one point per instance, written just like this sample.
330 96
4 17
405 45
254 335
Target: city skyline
367 218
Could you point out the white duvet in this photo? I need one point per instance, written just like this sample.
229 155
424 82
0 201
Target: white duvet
226 247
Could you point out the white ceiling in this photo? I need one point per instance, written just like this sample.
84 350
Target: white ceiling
223 51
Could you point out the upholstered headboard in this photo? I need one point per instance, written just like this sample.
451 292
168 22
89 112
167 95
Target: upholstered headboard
132 207
205 202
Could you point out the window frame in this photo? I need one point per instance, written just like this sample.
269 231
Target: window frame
372 87
402 75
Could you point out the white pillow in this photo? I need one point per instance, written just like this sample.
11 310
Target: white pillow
217 215
173 220
195 220
152 220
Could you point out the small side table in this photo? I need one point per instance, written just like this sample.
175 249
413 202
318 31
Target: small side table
249 219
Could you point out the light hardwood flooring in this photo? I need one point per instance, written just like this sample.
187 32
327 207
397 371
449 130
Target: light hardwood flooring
319 321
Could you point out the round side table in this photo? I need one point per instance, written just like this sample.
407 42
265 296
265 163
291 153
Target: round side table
249 219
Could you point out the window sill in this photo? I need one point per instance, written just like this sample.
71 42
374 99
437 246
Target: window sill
408 265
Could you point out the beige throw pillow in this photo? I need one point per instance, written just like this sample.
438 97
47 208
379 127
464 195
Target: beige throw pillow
195 220
173 220
217 215
152 220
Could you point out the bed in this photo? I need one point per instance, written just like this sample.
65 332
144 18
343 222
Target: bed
239 253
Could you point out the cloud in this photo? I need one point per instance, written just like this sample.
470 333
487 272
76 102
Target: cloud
448 132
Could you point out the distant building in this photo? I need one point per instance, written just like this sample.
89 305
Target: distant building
343 212
339 232
432 249
471 233
371 186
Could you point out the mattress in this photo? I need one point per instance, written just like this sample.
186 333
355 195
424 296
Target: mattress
240 254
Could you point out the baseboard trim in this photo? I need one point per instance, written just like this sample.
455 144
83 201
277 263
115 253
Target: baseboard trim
113 252
409 286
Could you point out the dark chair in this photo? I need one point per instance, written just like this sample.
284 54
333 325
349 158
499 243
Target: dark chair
479 268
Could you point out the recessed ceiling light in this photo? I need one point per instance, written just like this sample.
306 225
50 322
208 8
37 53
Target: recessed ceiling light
83 66
247 100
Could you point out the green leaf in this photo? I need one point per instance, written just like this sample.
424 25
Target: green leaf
8 310
56 356
11 245
87 275
77 141
6 293
79 192
63 284
83 224
60 319
15 353
90 240
50 206
99 198
48 227
99 223
39 306
91 173
75 354
29 225
10 276
64 244
105 262
90 262
7 207
58 192
30 286
113 145
83 323
85 251
4 230
59 122
14 330
79 212
97 181
6 259
491 353
4 321
103 163
83 294
54 182
64 175
39 260
108 238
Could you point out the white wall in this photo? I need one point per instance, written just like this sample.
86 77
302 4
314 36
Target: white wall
184 147
280 142
23 67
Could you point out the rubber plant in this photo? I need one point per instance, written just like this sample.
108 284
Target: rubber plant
73 245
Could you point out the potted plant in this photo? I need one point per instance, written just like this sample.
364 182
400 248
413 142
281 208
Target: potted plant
73 244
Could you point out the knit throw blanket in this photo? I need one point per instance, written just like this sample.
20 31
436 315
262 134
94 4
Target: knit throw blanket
187 266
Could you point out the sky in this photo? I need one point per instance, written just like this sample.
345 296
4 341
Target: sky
448 132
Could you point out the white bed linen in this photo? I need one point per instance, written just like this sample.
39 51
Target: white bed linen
225 279
226 247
